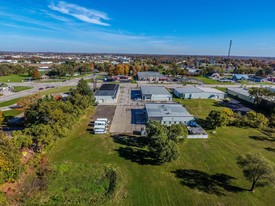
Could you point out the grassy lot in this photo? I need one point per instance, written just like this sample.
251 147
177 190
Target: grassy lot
255 83
12 113
20 88
206 80
9 102
200 107
56 90
13 78
197 178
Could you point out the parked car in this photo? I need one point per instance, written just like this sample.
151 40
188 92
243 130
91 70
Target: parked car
41 88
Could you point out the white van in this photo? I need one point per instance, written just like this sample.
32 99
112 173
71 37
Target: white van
103 120
99 127
97 123
99 131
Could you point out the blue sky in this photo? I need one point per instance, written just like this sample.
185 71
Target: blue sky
196 27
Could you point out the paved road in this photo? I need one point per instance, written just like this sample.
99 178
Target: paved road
36 86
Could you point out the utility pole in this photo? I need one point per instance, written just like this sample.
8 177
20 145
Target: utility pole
230 45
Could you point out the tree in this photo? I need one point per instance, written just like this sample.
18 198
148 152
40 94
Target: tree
216 119
229 112
257 169
26 102
36 74
83 88
256 120
9 159
1 117
162 148
259 93
21 140
177 132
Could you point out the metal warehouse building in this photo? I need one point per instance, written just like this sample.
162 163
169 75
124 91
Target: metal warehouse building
196 92
155 93
151 76
168 114
241 93
107 93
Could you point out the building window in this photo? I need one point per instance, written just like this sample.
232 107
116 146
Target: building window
169 122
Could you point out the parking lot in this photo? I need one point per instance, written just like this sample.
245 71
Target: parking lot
104 111
129 114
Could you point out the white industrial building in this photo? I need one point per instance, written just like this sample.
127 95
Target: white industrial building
151 76
155 93
196 92
241 93
107 93
168 114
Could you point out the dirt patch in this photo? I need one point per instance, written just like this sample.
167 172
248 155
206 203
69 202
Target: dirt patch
104 111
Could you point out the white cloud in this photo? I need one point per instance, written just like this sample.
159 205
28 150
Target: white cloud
81 13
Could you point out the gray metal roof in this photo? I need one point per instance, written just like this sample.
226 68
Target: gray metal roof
166 110
154 90
239 91
197 89
149 74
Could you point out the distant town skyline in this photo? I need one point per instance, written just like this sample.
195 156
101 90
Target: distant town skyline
142 27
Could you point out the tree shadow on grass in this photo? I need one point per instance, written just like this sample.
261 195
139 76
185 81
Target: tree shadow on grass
129 140
135 149
218 104
137 155
215 184
262 138
270 149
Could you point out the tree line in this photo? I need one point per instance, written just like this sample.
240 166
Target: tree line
46 119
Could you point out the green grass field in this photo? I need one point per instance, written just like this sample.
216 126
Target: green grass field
12 113
197 178
45 92
206 80
20 88
200 107
9 102
255 83
13 78
56 90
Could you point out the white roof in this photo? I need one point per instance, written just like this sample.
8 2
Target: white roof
239 90
166 110
154 90
197 89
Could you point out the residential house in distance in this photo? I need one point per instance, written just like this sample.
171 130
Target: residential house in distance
107 93
241 93
151 76
197 92
44 77
155 93
237 77
168 114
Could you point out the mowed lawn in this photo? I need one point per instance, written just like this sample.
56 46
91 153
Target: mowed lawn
200 107
206 165
13 78
206 80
